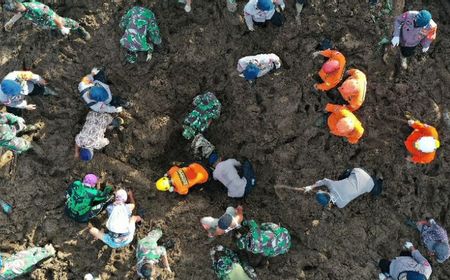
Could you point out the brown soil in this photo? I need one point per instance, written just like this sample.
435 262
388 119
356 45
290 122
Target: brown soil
272 123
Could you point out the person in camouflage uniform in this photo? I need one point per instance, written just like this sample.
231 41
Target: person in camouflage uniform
148 254
10 126
139 23
44 17
207 108
23 262
269 239
84 200
227 265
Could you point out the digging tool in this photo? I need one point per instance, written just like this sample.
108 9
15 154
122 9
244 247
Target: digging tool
297 189
6 207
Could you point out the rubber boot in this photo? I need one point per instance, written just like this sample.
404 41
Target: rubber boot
84 33
6 158
404 62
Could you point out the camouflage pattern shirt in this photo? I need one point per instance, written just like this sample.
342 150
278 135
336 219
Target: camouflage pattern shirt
8 131
148 250
227 265
139 23
207 108
23 262
269 239
43 16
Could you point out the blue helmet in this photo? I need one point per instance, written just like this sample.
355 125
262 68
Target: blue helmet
265 5
99 93
10 87
323 198
423 18
251 72
213 157
86 154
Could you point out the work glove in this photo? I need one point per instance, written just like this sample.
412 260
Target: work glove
308 189
425 49
119 109
65 31
187 8
381 276
410 122
395 41
282 6
21 123
94 71
408 245
251 29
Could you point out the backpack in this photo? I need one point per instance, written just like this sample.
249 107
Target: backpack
118 221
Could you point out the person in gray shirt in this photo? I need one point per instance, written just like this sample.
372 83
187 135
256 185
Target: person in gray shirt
353 183
227 173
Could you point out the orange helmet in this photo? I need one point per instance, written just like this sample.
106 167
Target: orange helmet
348 87
345 125
330 66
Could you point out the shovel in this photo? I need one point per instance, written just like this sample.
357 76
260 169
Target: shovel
282 187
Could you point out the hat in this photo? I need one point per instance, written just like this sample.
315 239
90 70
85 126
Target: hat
121 195
323 198
251 72
98 93
441 251
213 157
423 18
325 44
90 180
225 221
86 154
427 144
10 87
265 5
413 275
330 66
345 125
348 87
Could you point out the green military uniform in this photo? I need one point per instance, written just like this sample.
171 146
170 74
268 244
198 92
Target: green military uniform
139 23
23 262
8 131
44 17
84 203
148 251
269 239
207 109
227 265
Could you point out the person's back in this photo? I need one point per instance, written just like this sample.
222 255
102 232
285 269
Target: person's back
226 173
353 90
412 142
40 14
353 130
331 78
415 263
183 178
359 182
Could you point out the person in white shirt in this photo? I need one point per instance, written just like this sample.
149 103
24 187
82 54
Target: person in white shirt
255 66
259 12
227 173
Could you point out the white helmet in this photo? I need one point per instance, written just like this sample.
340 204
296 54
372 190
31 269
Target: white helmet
427 144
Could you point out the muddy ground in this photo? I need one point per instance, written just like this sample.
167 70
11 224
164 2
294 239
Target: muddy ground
273 123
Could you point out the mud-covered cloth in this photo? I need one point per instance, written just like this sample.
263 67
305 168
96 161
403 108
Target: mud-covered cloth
92 136
8 130
148 251
207 108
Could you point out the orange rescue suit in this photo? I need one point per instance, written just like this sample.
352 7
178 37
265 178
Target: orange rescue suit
353 90
184 178
331 80
420 130
338 112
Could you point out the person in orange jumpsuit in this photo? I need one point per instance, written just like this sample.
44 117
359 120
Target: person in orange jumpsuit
343 123
422 143
353 90
332 70
181 179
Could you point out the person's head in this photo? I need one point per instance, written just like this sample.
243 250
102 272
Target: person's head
251 72
441 251
147 271
163 184
423 18
121 196
384 265
331 66
213 159
427 144
86 154
90 180
323 198
345 125
225 221
10 87
98 94
349 87
265 5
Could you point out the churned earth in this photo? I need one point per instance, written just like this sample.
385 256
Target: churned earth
275 123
